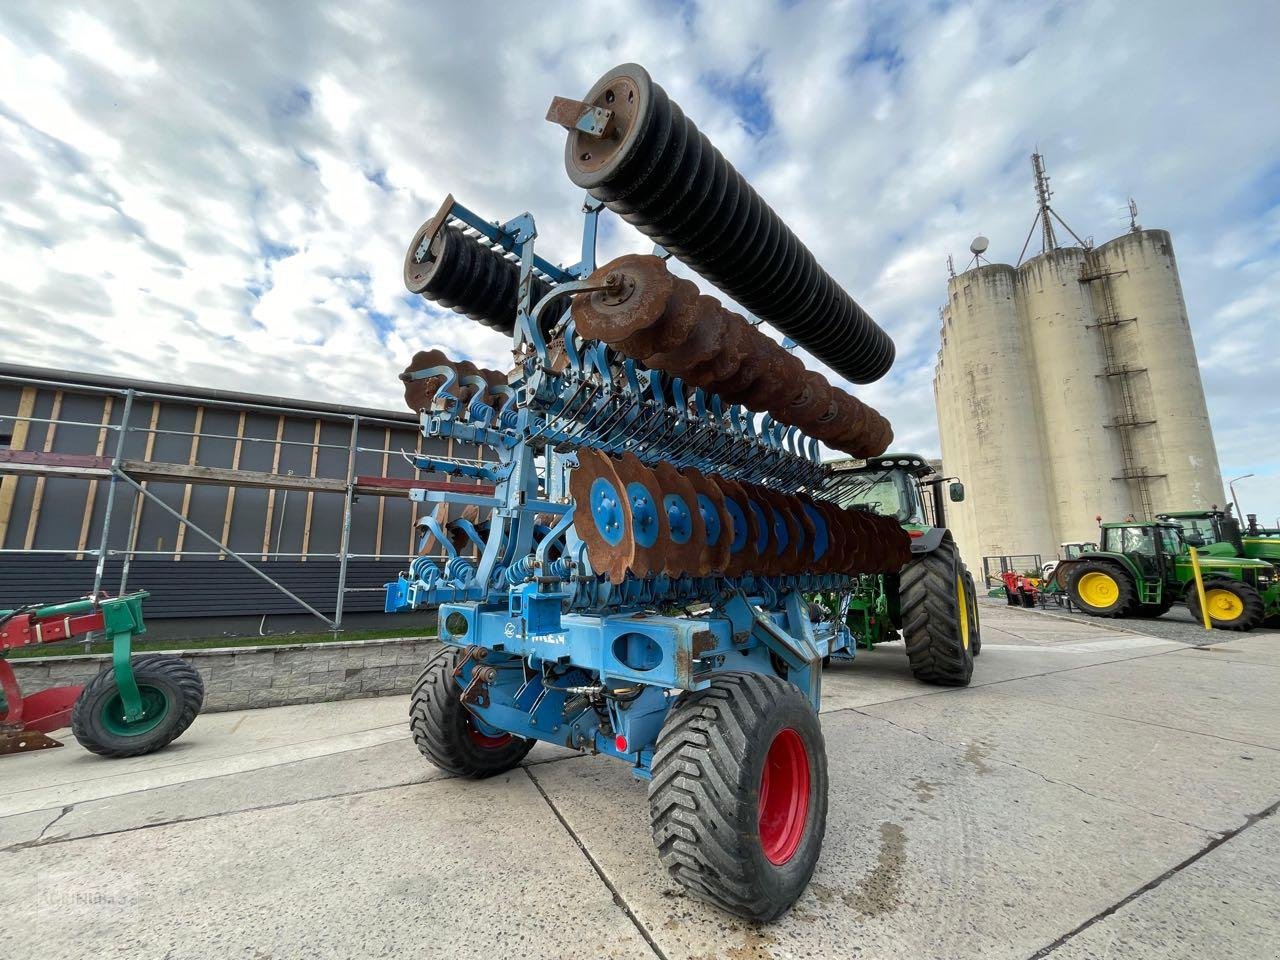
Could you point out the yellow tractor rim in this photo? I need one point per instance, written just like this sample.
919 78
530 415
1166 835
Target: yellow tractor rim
962 603
1223 605
1098 589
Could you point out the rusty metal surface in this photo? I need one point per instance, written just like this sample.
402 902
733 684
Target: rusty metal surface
24 741
612 560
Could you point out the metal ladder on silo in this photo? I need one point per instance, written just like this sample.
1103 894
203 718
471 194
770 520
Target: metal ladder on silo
1135 474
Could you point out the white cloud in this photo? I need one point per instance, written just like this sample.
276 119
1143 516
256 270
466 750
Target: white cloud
222 194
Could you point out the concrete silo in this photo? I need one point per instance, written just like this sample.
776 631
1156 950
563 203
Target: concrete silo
992 384
1074 401
1068 388
1158 396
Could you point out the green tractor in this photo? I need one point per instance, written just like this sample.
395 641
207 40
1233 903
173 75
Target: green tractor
1144 568
932 600
1218 533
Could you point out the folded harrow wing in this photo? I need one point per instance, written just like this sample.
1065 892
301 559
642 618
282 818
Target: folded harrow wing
636 571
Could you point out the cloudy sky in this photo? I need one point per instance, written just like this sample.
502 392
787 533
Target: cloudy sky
221 193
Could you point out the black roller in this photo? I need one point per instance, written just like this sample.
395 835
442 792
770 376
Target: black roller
457 271
657 171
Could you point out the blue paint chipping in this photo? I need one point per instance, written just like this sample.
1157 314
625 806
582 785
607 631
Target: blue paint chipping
747 95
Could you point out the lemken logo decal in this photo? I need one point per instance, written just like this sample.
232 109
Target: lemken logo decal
556 638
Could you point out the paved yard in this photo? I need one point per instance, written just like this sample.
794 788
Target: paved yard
1095 793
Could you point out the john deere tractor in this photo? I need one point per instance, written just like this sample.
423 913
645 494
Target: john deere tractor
932 600
1218 533
1144 568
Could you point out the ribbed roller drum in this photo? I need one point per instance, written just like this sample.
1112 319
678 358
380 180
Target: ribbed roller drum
655 169
456 271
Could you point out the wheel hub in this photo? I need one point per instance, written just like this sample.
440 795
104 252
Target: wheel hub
784 796
1098 589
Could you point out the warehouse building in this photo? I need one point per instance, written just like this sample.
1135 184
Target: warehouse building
211 483
1067 388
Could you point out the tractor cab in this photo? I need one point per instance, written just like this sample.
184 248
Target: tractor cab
1150 548
1077 548
1214 532
900 485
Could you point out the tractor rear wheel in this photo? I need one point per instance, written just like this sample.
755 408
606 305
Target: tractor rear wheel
172 694
738 799
1102 590
448 734
971 607
936 622
1232 605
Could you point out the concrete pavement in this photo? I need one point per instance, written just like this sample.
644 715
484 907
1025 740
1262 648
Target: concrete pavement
1094 793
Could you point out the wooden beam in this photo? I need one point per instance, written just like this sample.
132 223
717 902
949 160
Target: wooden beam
186 493
231 493
147 453
37 498
87 519
382 503
271 495
311 496
18 441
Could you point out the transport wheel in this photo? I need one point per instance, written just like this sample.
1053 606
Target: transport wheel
172 695
448 734
971 607
1232 605
738 799
935 618
1102 590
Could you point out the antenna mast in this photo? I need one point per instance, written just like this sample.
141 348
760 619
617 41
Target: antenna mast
1045 214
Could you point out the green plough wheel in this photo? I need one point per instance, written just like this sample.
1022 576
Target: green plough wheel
172 694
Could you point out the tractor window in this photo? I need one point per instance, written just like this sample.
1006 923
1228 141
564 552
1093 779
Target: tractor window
1170 542
1139 540
890 494
1199 532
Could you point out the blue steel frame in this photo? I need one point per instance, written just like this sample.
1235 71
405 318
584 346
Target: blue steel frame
554 650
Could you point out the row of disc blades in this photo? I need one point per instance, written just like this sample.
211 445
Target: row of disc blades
663 520
650 315
418 394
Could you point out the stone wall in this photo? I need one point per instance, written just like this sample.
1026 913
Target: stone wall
239 678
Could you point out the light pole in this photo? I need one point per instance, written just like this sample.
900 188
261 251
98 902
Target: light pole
1231 485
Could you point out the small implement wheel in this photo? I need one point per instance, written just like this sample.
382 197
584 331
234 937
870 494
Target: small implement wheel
172 694
1102 590
935 620
450 735
738 799
1232 605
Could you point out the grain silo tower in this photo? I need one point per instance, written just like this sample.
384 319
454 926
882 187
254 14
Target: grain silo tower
1067 387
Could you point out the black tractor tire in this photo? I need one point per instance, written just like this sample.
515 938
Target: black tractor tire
1153 611
971 606
171 689
1247 612
445 731
717 831
939 644
1123 600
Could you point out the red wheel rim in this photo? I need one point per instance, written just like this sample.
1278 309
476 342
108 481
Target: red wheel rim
482 739
784 796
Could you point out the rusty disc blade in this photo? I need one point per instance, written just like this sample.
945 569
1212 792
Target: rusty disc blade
755 362
782 383
818 532
746 529
648 520
684 523
641 287
701 344
671 329
786 530
768 545
602 515
716 523
728 358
